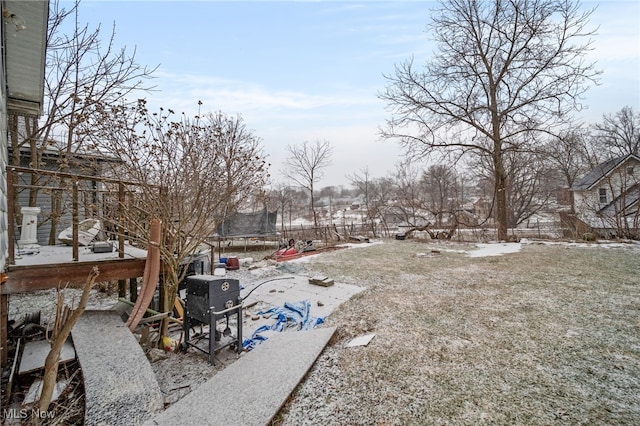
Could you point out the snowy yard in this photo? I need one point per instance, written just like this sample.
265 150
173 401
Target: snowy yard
503 333
547 333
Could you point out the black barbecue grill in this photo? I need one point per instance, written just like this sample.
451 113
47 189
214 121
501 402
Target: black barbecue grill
209 299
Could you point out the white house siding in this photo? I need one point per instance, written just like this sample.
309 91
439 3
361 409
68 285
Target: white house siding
587 202
586 205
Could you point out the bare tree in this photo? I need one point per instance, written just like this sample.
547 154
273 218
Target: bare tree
82 72
427 198
406 192
66 317
282 196
619 133
568 154
305 166
189 172
525 177
527 192
363 182
381 195
440 185
503 68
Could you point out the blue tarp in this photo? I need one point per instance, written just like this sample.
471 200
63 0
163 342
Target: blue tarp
290 315
255 338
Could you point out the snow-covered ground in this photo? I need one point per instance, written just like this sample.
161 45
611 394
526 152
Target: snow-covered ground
495 249
62 253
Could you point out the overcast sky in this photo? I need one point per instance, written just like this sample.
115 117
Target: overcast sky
302 71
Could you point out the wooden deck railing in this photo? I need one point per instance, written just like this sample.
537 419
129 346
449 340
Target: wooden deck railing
13 186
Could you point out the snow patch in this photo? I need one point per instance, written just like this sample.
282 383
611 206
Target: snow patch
495 249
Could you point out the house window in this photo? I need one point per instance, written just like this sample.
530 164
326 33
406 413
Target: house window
630 170
602 193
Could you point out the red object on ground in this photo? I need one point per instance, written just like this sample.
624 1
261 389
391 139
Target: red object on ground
287 252
233 263
280 257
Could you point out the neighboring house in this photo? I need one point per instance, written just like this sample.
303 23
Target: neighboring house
607 198
78 163
482 209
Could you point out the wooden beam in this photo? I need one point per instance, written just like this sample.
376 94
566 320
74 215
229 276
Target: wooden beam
25 278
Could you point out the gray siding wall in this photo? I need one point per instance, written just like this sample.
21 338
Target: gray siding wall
43 201
4 242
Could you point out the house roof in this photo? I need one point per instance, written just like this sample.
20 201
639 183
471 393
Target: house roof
25 26
599 172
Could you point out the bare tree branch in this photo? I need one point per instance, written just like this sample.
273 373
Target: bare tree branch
502 70
305 166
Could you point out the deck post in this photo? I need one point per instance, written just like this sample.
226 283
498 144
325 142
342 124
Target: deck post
121 230
74 213
133 289
10 218
122 288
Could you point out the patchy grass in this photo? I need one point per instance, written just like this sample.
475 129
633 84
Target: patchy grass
547 335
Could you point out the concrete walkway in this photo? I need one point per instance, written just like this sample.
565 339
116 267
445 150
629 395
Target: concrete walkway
324 300
252 390
120 386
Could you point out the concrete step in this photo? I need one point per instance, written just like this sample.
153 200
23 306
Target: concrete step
252 390
120 386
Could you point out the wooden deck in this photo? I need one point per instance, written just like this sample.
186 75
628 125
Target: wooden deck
52 266
25 278
31 276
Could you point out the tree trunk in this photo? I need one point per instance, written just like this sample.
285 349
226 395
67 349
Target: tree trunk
501 197
61 335
56 212
313 209
500 174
